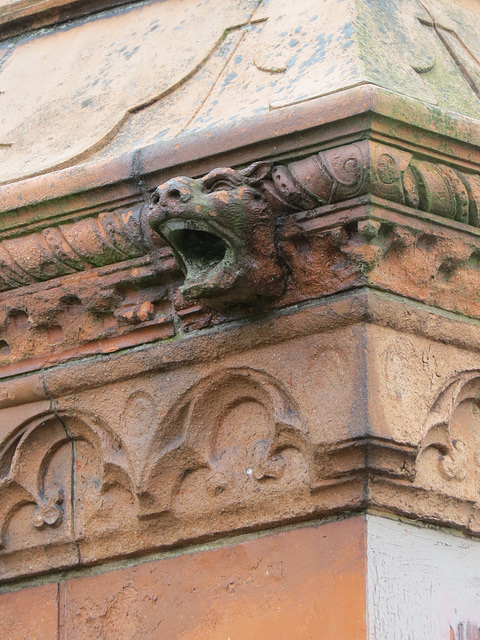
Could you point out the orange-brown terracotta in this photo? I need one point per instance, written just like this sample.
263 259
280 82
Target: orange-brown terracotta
328 363
280 586
30 614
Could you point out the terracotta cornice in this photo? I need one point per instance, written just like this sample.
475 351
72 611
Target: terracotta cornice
329 314
366 213
352 114
305 471
113 237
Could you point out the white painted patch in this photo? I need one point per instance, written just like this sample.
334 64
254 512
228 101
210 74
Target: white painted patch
423 584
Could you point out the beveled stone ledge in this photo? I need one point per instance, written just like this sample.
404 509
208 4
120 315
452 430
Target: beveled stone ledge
347 116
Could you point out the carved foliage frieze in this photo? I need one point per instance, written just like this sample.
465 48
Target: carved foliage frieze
234 442
234 438
233 434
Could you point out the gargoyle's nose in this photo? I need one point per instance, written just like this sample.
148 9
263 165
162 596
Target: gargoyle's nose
172 193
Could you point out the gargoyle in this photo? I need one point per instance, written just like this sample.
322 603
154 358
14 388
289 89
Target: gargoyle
222 231
225 229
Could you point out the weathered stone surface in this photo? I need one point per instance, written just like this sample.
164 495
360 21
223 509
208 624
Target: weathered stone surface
232 232
319 356
222 231
363 214
109 74
21 16
279 586
290 417
30 614
324 354
165 84
160 456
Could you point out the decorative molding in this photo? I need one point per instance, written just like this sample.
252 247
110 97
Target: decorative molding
225 229
282 234
427 186
368 455
233 450
231 431
57 251
326 178
31 469
233 440
448 456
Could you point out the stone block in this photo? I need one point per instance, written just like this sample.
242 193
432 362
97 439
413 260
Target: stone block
30 614
293 584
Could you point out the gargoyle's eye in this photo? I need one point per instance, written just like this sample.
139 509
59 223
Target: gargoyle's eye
219 185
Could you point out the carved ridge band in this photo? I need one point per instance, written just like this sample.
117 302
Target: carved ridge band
327 177
56 251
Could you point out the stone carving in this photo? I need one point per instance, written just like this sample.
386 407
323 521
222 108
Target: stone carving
33 470
56 251
357 169
237 253
324 178
429 187
232 431
222 232
233 443
364 455
225 229
446 461
306 246
229 434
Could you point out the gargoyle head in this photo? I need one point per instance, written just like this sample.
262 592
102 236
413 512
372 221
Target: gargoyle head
221 229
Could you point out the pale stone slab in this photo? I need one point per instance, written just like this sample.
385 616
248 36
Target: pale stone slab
65 94
125 78
422 583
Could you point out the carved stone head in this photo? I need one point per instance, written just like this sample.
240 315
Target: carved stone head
221 229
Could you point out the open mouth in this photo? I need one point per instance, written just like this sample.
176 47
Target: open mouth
201 254
199 250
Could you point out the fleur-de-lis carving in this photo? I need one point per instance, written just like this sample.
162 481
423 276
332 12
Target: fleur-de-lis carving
49 510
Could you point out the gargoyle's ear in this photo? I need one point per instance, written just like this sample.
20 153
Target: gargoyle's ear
257 172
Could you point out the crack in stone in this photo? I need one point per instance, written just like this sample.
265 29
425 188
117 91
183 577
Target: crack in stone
70 437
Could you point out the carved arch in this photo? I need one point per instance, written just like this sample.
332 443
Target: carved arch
26 461
235 426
